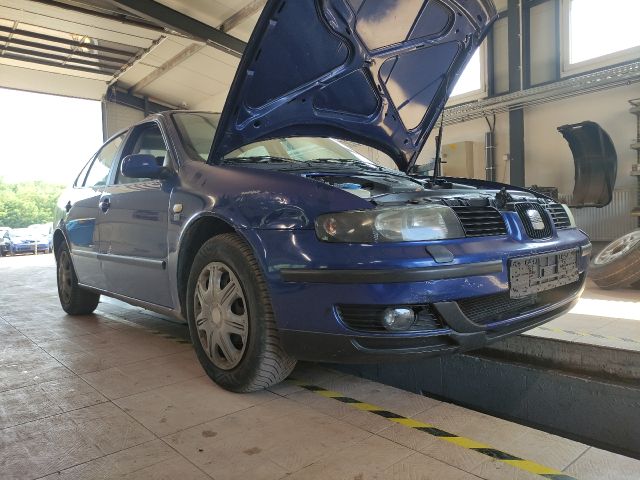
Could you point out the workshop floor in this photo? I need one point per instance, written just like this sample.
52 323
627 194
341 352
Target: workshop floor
120 395
609 318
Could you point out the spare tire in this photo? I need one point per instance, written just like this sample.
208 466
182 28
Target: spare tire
618 264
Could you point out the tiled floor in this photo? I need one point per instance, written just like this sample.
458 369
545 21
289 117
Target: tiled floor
120 395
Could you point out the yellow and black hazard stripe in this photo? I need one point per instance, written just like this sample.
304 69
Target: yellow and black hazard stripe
589 334
514 461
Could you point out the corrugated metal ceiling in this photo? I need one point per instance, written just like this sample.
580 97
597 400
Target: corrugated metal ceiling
81 48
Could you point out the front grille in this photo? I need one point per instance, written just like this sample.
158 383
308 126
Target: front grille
522 210
558 215
368 318
480 221
500 306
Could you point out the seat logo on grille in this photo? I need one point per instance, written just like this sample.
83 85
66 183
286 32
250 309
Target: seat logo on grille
536 219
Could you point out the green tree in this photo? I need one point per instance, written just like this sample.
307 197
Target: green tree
26 203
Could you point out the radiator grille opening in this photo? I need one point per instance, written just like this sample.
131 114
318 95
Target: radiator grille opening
480 221
524 212
500 306
558 215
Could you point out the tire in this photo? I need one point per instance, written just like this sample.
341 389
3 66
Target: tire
231 320
618 264
73 299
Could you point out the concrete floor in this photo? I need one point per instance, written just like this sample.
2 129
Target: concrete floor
120 394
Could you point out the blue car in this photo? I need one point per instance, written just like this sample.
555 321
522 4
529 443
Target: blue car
276 238
23 240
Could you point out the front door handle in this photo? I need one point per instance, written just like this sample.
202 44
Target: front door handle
104 204
67 207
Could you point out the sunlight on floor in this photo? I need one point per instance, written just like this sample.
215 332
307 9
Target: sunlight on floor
608 308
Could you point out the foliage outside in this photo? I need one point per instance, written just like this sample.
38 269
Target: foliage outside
26 203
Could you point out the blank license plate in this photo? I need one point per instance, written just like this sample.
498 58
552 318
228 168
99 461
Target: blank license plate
538 273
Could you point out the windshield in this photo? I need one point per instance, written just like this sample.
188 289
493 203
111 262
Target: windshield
197 130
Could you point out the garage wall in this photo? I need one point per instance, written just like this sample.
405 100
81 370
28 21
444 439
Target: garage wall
548 159
474 131
116 117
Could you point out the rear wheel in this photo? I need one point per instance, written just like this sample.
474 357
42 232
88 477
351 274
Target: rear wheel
231 320
618 264
73 299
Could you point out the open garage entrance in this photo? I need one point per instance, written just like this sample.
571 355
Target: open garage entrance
120 392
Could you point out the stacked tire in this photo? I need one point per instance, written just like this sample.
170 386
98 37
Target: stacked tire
618 264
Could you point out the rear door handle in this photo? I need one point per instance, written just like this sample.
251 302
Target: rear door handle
105 203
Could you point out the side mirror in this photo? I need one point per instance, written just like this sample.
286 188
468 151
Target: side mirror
142 165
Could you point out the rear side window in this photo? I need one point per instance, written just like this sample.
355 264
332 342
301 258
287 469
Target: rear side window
101 166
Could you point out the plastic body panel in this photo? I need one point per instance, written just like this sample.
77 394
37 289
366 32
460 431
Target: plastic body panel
596 164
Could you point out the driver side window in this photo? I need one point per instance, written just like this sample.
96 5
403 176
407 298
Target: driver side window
145 139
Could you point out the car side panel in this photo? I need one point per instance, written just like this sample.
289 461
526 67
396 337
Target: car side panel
133 241
82 235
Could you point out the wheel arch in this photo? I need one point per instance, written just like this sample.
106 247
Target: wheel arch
194 236
58 239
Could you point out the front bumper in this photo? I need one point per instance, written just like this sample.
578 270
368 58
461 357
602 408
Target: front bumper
307 294
460 333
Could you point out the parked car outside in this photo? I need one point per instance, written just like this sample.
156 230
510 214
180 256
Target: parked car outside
4 242
44 231
277 242
25 240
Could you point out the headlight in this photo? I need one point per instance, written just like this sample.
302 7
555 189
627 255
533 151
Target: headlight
396 224
569 214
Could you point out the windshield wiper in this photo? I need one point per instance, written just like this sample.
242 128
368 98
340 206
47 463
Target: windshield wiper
257 159
346 161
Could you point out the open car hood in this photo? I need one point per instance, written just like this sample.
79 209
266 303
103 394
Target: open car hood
376 72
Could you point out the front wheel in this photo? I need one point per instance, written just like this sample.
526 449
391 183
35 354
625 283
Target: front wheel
73 299
231 320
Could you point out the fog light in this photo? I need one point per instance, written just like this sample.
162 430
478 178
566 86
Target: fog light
396 319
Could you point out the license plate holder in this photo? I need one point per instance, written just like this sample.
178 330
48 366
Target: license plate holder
537 273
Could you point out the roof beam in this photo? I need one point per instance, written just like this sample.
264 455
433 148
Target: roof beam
62 58
53 48
168 65
139 103
175 20
65 41
242 14
115 16
51 63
